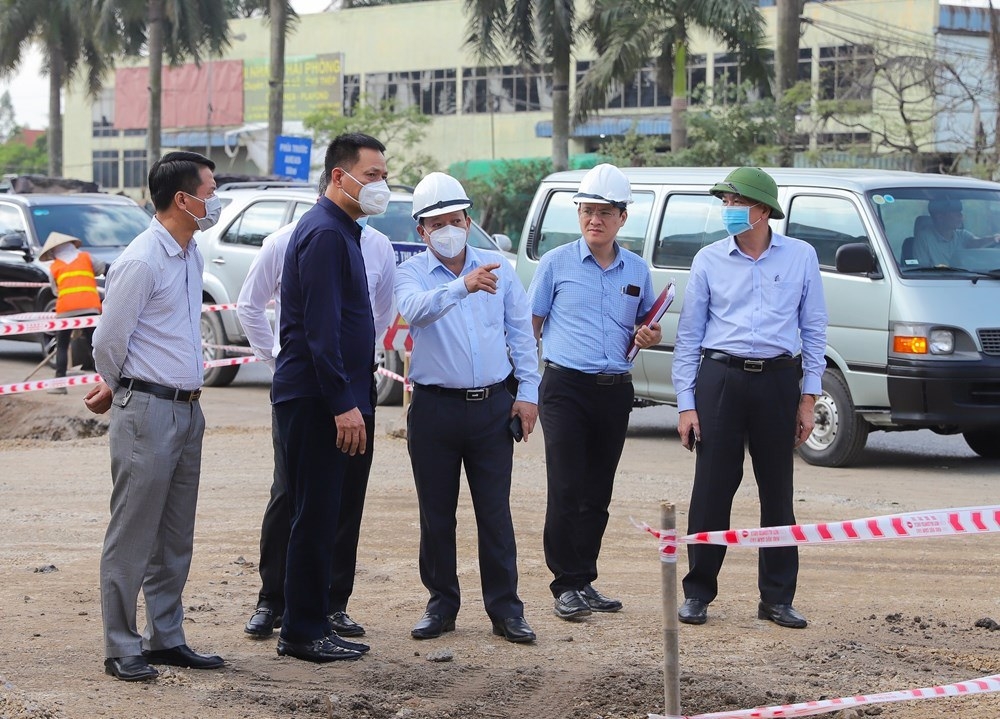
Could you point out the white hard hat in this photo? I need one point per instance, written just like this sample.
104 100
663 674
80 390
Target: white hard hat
605 184
439 194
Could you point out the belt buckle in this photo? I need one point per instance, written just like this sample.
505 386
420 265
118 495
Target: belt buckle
753 365
476 395
195 394
605 379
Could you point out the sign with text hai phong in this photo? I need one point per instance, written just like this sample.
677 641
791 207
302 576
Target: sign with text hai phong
311 81
291 157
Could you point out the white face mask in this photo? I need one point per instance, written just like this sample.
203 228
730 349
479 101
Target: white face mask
213 210
373 199
449 241
66 252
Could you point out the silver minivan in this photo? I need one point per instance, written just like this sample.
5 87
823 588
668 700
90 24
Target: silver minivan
911 345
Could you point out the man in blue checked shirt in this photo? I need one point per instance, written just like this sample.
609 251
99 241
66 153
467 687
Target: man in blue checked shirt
466 310
587 297
753 301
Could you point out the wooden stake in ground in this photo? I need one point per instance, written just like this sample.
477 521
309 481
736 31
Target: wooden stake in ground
668 576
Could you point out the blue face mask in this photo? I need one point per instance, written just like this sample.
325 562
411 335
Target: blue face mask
736 218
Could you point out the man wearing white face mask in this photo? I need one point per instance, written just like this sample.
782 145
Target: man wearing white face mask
147 349
466 308
754 300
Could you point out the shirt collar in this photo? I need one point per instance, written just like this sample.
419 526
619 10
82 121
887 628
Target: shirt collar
353 228
776 241
585 253
472 260
167 241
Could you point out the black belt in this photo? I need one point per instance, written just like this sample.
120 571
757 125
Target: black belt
597 378
158 390
472 394
753 365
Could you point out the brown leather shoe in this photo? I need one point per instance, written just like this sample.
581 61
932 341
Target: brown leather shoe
781 614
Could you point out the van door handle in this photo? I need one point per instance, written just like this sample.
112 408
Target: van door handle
218 261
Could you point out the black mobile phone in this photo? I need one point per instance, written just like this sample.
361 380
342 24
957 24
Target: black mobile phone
692 440
516 428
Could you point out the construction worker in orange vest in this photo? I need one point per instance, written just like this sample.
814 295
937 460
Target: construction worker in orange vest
75 285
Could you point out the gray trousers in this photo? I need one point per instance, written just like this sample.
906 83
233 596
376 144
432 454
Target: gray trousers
155 467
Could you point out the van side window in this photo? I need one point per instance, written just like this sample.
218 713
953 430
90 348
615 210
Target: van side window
826 223
257 222
689 223
560 224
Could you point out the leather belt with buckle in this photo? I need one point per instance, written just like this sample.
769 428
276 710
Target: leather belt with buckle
159 390
599 378
748 364
471 394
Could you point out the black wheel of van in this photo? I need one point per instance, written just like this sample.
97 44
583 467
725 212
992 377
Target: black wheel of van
984 442
840 434
212 338
388 390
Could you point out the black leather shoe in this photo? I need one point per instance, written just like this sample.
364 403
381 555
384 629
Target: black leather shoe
781 614
598 602
345 626
262 623
513 629
693 611
432 626
340 642
318 650
183 656
571 605
130 669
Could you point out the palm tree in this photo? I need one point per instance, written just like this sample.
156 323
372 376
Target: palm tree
626 33
64 30
176 28
533 31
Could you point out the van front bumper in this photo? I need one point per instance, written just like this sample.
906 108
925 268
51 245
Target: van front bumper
933 393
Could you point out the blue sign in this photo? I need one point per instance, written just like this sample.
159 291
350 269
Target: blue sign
292 156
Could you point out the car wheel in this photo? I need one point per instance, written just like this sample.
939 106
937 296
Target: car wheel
212 338
840 433
984 442
388 390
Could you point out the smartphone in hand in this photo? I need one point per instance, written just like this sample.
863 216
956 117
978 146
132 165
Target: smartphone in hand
692 440
516 428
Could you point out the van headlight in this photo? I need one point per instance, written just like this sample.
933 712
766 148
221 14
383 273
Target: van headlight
914 339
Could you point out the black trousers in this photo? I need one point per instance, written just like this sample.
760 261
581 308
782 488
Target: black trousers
276 527
584 426
317 473
86 347
443 434
738 409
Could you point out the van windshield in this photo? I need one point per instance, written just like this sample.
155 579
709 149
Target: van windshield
938 232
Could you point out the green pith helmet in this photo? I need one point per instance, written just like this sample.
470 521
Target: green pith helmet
754 184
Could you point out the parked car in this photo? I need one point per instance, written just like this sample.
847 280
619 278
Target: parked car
909 345
105 224
250 215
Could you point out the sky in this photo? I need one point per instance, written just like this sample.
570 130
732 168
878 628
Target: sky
29 89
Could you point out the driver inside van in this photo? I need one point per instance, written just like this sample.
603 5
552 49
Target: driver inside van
935 242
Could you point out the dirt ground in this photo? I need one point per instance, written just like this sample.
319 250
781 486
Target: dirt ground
883 616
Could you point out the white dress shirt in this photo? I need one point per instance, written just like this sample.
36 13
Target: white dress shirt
263 284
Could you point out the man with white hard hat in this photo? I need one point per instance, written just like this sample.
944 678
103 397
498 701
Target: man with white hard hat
466 310
588 296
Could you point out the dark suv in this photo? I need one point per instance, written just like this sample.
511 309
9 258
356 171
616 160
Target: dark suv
105 224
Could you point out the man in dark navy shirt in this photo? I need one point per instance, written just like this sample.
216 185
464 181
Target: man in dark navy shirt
323 387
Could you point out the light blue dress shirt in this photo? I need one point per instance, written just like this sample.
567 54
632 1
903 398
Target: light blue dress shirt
589 314
150 326
759 308
461 340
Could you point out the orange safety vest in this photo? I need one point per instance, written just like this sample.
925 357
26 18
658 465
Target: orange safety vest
77 286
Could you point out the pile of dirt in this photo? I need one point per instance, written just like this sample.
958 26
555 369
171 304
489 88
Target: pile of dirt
26 418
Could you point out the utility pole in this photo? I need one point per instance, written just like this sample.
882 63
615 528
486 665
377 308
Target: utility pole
276 81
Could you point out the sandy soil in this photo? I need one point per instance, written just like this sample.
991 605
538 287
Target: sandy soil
886 616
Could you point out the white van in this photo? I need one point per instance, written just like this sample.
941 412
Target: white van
910 345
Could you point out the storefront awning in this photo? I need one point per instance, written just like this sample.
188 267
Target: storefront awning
608 126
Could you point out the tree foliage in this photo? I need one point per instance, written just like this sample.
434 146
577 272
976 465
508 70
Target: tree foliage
8 120
401 131
501 198
19 159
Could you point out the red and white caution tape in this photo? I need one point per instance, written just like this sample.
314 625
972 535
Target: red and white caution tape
399 378
24 284
983 685
28 317
67 323
218 308
668 541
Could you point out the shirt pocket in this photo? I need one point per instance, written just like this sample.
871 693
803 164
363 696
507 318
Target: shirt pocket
624 309
489 307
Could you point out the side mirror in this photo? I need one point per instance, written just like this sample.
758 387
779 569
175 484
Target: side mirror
503 242
855 258
16 241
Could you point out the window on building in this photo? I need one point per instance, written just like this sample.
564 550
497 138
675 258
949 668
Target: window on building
642 90
697 72
506 89
135 167
728 76
352 93
689 223
102 113
106 168
432 91
846 72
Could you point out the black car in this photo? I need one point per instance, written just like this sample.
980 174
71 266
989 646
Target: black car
105 224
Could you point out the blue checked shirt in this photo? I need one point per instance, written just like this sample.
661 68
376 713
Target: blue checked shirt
589 315
461 340
150 327
759 308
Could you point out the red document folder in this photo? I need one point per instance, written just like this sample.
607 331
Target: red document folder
655 313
